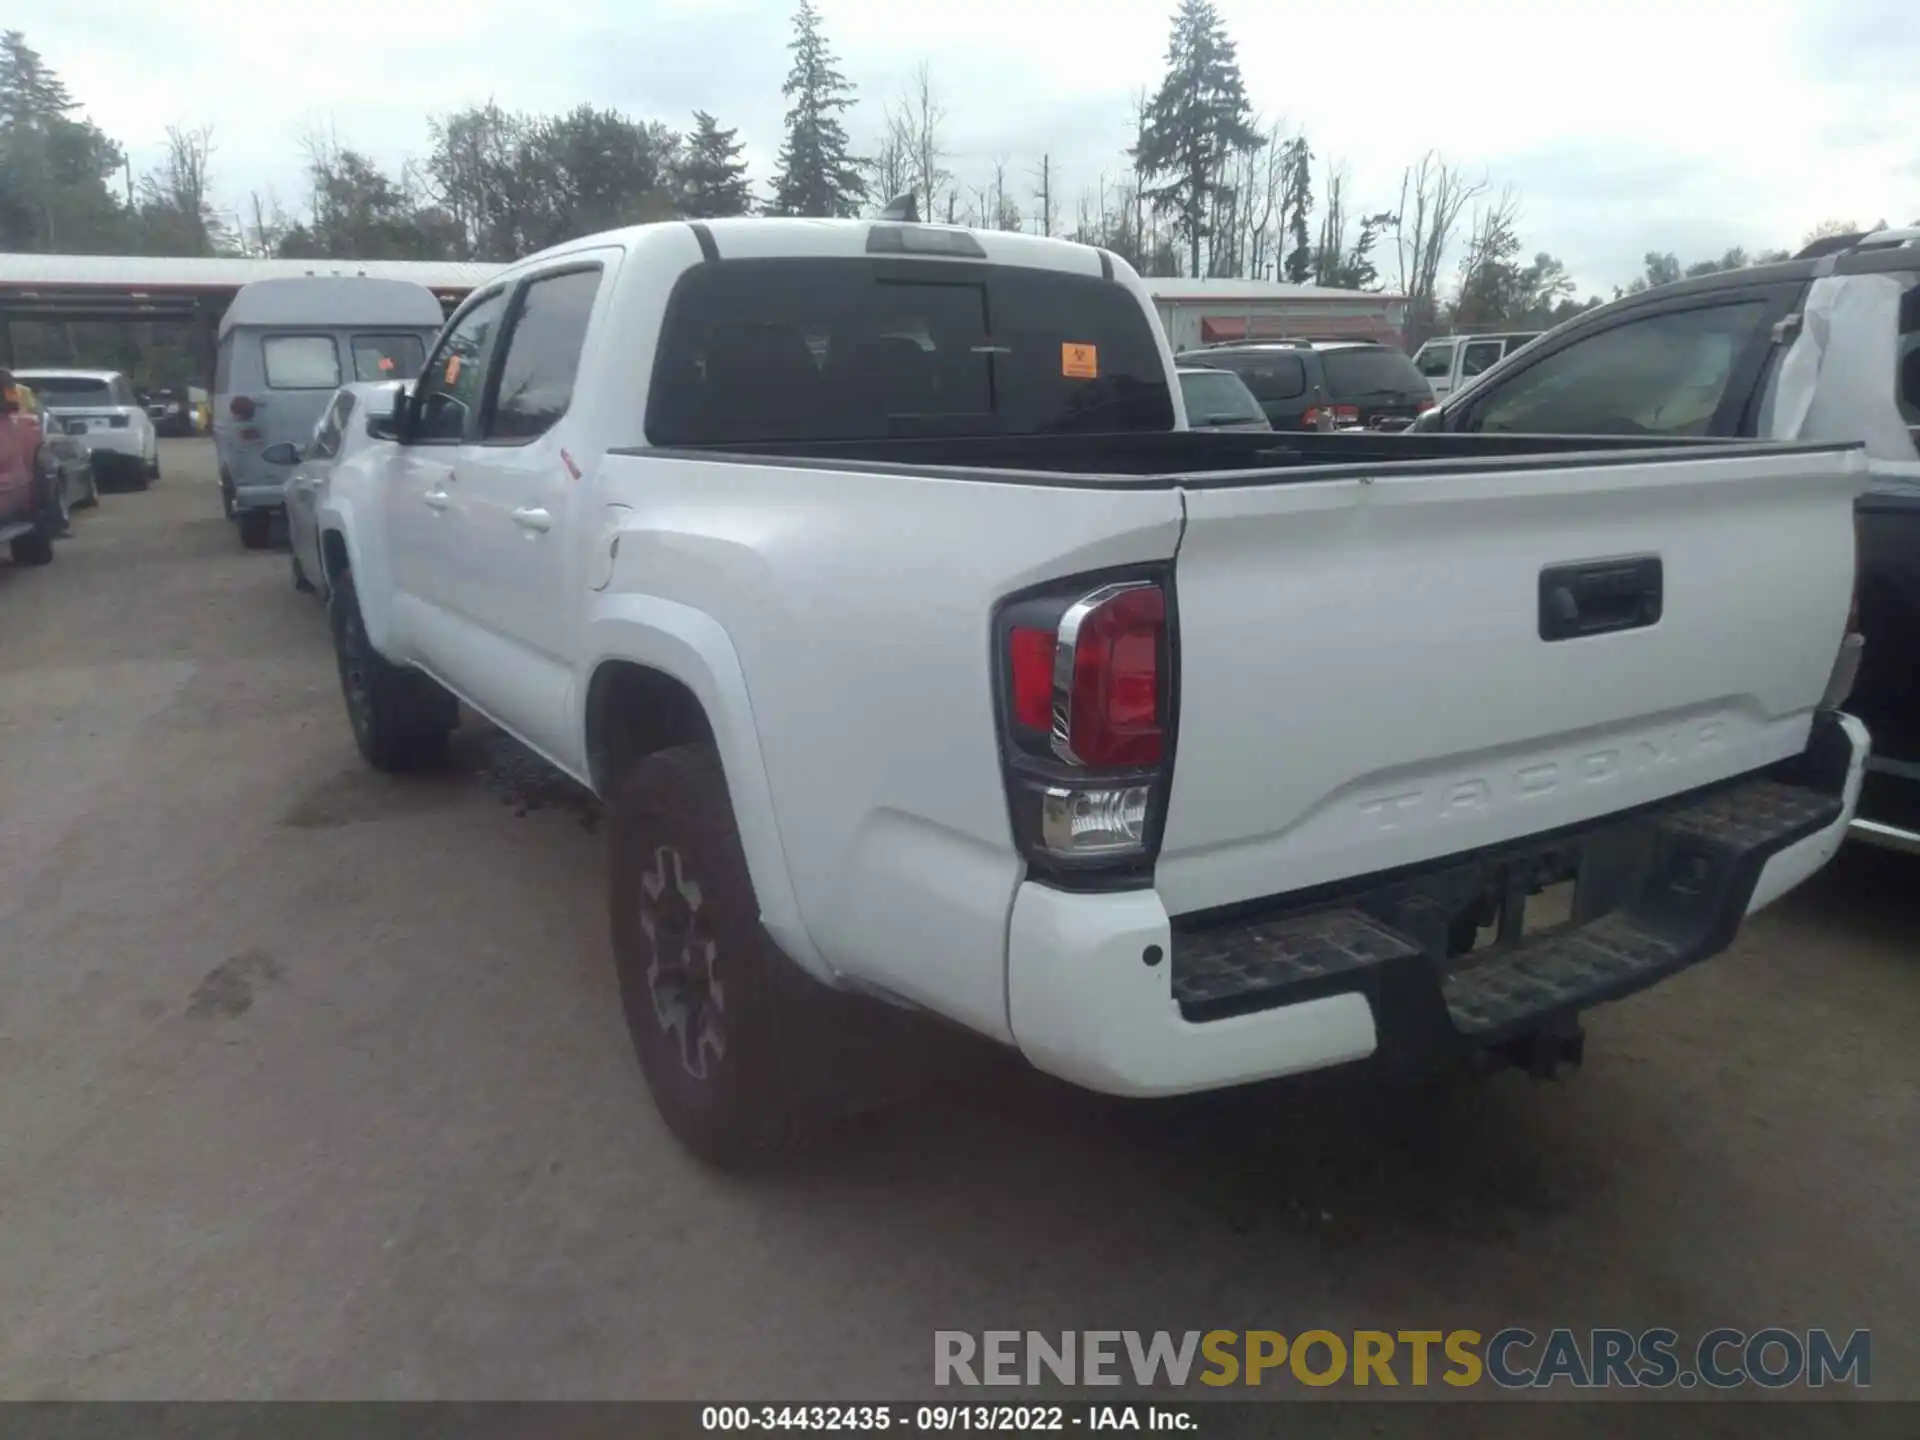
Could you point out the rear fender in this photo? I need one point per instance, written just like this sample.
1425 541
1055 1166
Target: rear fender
692 647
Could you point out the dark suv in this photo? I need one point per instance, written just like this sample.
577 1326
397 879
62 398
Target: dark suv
1324 384
1823 347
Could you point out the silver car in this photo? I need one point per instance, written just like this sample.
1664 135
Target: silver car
1219 400
347 429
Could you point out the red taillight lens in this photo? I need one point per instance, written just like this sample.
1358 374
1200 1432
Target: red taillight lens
1087 681
1114 717
1031 655
1311 418
1424 406
1346 414
240 407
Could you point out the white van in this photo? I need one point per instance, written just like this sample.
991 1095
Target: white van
1449 361
285 347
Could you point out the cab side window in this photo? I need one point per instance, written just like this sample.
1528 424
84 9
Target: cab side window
1665 374
542 355
449 390
1435 361
1480 356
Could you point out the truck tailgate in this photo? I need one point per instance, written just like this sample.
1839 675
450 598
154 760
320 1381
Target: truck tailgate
1366 679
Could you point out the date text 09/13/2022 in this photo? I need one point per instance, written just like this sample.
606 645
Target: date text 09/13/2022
942 1419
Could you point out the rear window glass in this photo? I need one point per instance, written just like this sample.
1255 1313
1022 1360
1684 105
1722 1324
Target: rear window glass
301 362
54 389
1218 399
1435 361
1277 376
387 357
852 349
1374 370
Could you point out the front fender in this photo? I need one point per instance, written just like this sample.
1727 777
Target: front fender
693 648
338 513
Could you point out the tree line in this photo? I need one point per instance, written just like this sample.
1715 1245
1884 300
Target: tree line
1204 186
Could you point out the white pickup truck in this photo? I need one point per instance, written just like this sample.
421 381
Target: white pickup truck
870 575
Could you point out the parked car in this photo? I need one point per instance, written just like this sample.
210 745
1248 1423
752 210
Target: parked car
1219 400
64 455
120 437
171 411
1254 776
360 416
1449 361
1824 347
33 508
1324 384
286 346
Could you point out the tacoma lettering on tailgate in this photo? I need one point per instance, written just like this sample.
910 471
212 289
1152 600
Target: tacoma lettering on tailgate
1476 795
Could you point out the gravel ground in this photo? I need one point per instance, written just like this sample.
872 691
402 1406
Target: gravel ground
313 1083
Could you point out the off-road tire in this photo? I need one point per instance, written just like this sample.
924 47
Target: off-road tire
401 720
686 927
256 529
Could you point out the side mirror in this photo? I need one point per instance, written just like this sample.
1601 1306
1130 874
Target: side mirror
397 424
285 453
383 425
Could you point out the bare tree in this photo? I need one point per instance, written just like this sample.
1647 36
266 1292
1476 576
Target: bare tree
890 171
266 224
174 201
1329 260
1433 195
1049 215
923 116
1263 212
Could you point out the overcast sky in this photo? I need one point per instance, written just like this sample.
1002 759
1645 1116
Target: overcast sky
1682 125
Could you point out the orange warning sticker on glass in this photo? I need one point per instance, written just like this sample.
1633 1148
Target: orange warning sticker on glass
453 369
386 362
1080 362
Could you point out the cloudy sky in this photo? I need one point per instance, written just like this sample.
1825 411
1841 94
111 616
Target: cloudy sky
1682 125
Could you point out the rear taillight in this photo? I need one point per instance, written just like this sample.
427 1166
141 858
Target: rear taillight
1087 688
240 407
1846 665
1346 414
1113 639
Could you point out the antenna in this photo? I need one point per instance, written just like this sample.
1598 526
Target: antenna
903 207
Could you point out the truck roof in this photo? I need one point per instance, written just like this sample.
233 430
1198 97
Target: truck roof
780 237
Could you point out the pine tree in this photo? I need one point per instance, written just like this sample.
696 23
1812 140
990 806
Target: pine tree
1199 118
817 176
54 169
1298 267
713 177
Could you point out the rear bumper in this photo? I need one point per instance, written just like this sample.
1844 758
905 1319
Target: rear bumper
260 497
128 444
1889 812
1108 992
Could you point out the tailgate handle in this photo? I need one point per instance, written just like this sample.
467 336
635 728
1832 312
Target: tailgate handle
1597 597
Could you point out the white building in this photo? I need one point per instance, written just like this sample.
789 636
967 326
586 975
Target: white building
1205 312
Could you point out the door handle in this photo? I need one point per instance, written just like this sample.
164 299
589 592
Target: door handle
534 518
437 499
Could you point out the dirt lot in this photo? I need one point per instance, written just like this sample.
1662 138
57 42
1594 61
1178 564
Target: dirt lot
313 1083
